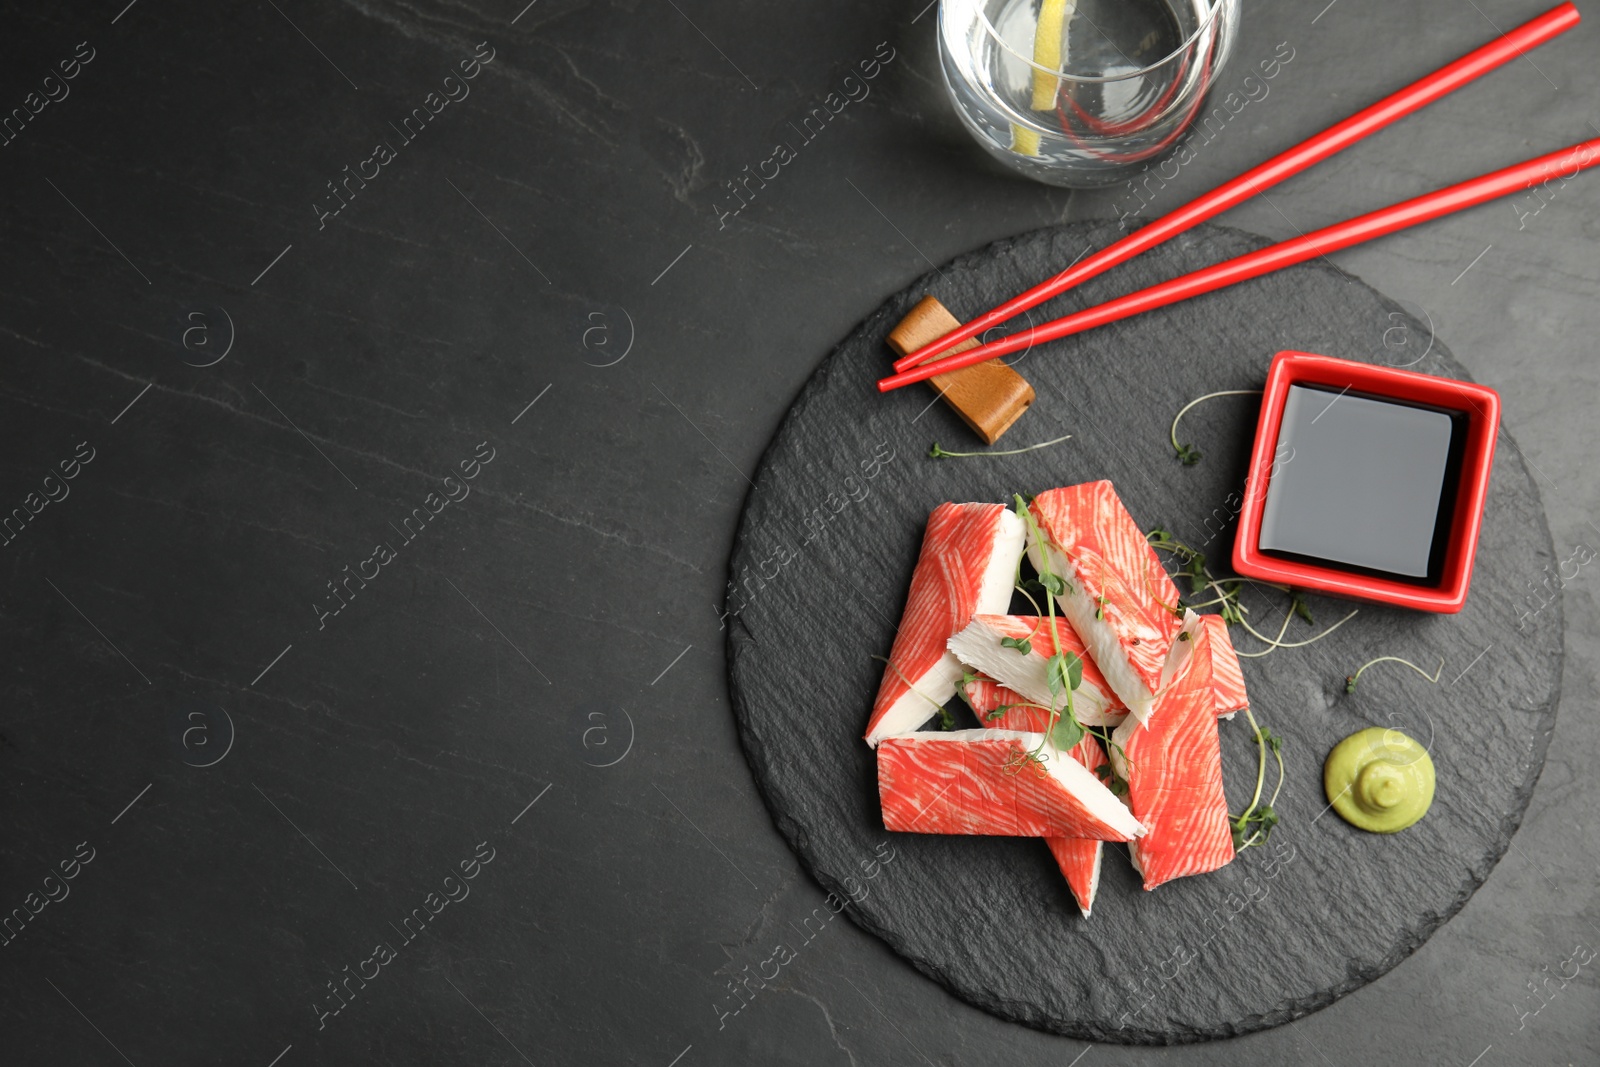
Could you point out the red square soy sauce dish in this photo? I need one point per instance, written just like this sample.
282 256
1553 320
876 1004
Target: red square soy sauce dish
1367 482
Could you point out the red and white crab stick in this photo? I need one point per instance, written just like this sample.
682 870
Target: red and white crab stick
1417 95
1470 193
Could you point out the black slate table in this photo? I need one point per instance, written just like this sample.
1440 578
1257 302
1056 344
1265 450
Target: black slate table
365 697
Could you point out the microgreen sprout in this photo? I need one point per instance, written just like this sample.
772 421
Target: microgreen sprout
1192 565
1191 561
1107 772
1187 454
1111 779
1026 589
1350 682
967 678
1298 605
1033 760
1254 825
1063 670
1279 642
938 453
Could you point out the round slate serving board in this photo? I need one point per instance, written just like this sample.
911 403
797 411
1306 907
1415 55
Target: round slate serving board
820 570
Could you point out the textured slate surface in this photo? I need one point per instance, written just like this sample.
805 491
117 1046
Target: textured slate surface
823 558
599 143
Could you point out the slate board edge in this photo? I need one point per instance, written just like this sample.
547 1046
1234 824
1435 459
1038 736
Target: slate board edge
879 322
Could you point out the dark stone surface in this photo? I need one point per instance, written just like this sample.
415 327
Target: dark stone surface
593 551
823 559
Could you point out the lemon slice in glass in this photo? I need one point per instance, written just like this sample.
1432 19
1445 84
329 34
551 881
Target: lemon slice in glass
1048 52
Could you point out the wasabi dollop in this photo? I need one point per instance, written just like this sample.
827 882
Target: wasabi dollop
1379 780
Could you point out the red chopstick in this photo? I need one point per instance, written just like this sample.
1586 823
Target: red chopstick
1513 179
1417 95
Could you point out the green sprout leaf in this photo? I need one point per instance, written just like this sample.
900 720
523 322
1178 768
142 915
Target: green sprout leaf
1255 828
1066 734
1300 608
1063 672
1108 775
1053 584
1021 644
1188 455
1230 606
967 678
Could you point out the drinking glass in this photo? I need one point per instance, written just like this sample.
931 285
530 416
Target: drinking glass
1078 92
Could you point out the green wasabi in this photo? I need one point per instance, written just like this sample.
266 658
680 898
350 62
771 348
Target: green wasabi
1379 780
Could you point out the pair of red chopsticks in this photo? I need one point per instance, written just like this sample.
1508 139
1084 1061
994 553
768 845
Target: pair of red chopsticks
922 364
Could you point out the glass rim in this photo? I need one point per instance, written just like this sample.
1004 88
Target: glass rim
1205 24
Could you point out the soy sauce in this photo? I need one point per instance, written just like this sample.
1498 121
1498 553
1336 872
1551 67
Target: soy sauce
1368 483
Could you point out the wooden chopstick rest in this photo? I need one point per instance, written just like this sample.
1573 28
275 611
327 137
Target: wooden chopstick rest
989 397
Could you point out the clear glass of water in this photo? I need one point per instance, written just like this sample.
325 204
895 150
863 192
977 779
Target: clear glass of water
1079 92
